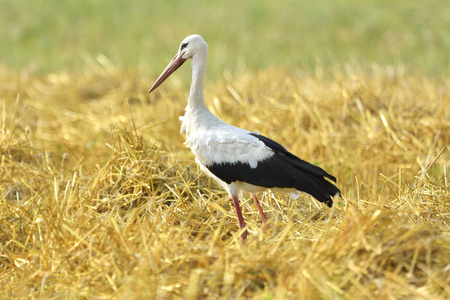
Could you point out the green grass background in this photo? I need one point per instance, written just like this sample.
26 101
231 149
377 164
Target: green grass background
62 35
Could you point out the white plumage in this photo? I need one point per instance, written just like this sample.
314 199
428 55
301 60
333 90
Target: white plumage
240 160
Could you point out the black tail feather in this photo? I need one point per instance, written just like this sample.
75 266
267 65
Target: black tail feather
309 178
319 188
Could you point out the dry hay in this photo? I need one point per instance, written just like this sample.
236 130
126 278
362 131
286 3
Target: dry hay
99 198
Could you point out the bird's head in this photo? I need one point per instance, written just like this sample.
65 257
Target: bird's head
192 46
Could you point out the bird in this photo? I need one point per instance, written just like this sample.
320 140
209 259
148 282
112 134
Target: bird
238 159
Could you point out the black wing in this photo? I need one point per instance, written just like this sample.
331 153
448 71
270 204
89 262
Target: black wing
282 170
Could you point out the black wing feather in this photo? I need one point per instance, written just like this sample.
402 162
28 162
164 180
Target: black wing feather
282 170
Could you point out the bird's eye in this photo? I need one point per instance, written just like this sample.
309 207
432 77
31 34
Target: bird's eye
184 45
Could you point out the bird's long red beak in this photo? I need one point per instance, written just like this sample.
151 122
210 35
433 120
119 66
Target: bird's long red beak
174 64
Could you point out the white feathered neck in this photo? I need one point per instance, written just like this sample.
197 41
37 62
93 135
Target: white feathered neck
197 115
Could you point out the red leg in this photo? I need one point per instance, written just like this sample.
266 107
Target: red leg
261 213
240 217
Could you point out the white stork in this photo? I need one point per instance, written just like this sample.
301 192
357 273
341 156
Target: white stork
240 160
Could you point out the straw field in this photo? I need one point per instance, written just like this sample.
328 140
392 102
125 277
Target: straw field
100 199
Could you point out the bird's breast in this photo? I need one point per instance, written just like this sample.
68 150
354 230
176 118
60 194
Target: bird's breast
221 146
213 141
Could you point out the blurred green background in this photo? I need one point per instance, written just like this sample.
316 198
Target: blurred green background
142 35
